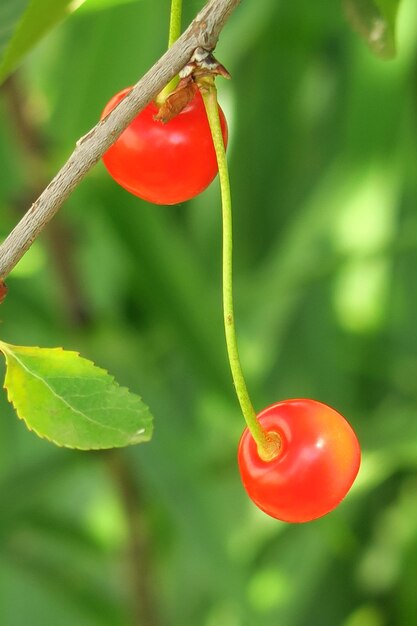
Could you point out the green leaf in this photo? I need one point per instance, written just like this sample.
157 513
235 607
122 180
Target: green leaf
68 400
23 23
375 20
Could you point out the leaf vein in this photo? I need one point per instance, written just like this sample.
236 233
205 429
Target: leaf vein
61 399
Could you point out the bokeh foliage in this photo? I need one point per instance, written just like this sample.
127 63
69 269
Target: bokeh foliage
323 159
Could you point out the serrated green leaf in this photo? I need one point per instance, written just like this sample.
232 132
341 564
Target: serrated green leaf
70 401
23 23
375 20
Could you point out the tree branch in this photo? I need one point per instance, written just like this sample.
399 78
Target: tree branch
144 606
203 31
60 239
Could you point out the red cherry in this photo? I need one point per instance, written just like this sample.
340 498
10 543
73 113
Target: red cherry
164 163
316 465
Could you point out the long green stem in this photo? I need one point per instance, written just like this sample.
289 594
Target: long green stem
268 443
174 33
175 22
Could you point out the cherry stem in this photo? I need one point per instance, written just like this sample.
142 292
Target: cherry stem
268 443
174 34
175 22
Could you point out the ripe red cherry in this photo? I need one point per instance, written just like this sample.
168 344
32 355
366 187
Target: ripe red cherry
316 465
164 163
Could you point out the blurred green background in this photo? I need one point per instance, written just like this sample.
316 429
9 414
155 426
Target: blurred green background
323 160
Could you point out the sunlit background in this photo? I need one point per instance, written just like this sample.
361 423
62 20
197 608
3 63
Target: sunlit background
323 155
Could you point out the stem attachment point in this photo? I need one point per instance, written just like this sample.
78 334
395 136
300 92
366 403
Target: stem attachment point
271 447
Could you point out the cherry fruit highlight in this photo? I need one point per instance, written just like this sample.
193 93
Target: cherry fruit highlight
164 163
315 467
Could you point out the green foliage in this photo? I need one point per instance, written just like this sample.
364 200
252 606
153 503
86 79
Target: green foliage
10 13
99 5
71 401
375 20
24 23
322 153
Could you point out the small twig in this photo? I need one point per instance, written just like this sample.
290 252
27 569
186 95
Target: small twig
26 129
138 554
58 237
202 32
